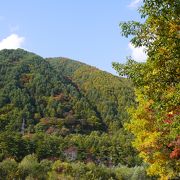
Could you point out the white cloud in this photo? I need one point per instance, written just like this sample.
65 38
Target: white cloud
138 53
13 41
134 3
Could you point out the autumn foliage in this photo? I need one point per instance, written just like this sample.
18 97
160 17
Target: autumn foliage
155 122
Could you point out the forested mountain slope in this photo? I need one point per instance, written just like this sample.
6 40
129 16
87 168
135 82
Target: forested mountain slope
82 98
57 110
34 93
109 95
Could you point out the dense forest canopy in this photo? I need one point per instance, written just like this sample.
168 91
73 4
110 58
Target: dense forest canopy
57 112
35 92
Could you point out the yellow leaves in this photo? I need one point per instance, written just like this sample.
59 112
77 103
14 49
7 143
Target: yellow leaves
156 169
143 125
159 168
144 155
162 50
141 98
170 92
155 71
146 140
174 28
146 88
152 139
150 102
160 158
158 165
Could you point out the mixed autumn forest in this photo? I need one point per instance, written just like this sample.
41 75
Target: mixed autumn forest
63 119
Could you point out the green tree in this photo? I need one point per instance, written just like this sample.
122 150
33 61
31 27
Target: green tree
60 170
8 169
30 168
12 145
155 121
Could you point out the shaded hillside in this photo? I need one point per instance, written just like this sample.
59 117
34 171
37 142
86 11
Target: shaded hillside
69 96
108 95
34 94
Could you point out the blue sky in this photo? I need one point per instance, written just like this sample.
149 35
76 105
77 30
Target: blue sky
87 31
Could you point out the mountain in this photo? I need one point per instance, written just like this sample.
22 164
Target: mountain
109 95
57 109
77 97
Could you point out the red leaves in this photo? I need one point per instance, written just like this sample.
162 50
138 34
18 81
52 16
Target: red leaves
168 121
170 115
175 154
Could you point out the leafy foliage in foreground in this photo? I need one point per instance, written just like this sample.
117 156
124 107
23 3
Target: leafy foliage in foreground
31 168
155 122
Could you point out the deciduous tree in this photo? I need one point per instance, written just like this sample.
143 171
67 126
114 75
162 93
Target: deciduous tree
155 121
